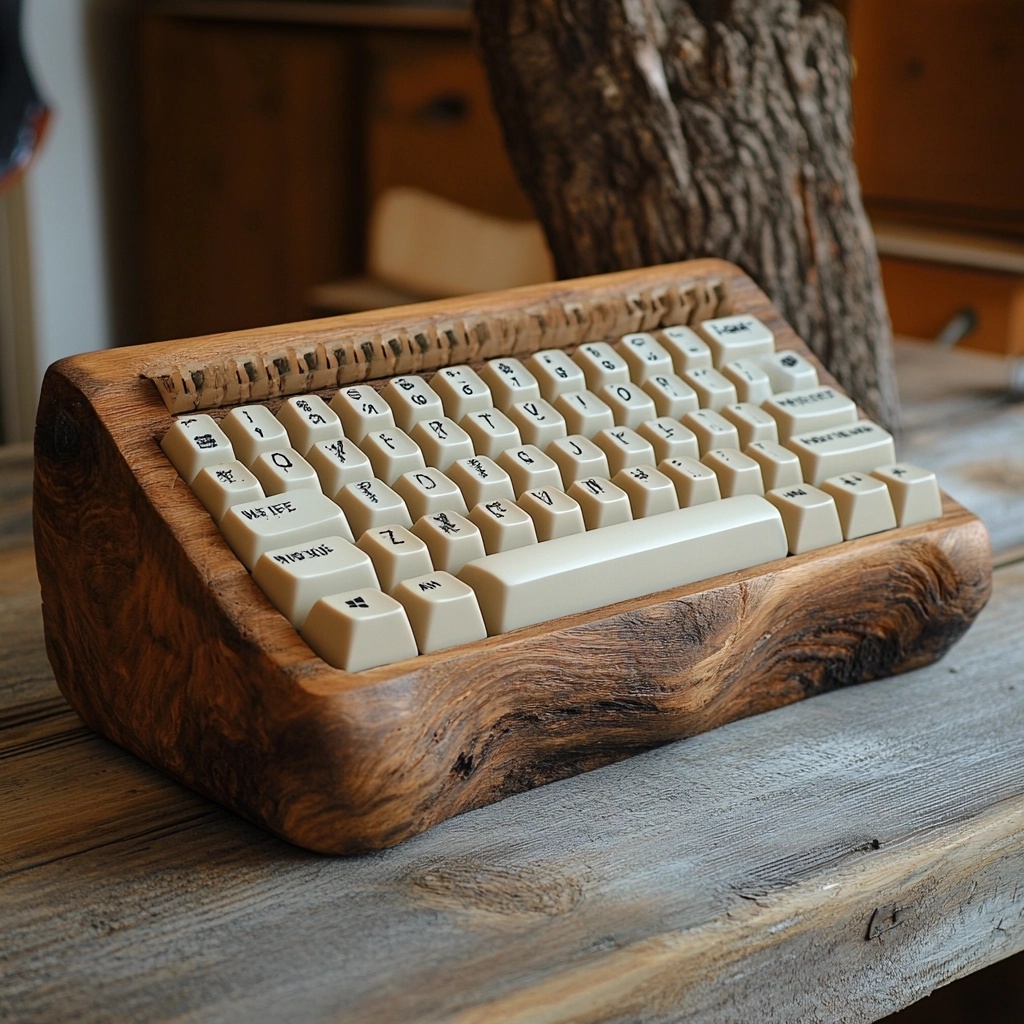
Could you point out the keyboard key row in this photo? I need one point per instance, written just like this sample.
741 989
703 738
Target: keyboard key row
301 552
363 627
844 507
836 443
625 458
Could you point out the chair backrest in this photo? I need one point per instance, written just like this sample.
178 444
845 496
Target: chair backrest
436 248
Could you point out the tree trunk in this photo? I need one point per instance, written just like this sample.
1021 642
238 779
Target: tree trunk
647 131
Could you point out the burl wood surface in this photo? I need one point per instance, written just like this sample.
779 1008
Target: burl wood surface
162 642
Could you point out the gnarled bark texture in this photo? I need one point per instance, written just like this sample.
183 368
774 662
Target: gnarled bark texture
648 131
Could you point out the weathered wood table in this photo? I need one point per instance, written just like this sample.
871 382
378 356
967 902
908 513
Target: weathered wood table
833 860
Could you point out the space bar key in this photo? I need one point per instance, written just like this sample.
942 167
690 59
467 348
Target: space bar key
584 571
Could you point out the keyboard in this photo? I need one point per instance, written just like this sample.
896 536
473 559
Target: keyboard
354 576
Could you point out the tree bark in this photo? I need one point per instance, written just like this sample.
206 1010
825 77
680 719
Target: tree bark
647 131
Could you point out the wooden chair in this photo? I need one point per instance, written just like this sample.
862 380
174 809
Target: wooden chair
424 247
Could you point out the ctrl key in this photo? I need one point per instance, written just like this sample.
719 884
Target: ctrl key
359 629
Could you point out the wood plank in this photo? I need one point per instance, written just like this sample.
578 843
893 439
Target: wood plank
635 892
890 825
962 421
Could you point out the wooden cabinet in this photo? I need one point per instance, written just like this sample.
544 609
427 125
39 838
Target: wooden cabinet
939 134
939 110
268 129
430 124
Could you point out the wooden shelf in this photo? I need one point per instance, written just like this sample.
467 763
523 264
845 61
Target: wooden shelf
270 128
444 16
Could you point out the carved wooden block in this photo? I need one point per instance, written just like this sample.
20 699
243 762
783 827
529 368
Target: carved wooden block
161 640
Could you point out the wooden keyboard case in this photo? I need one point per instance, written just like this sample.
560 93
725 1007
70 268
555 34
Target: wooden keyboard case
161 640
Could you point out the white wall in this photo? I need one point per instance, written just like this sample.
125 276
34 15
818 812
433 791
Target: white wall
79 214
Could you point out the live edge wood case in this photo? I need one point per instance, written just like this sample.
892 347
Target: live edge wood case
161 641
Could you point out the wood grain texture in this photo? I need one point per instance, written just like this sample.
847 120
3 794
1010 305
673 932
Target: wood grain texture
161 640
831 861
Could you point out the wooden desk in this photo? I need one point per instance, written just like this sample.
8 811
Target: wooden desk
833 860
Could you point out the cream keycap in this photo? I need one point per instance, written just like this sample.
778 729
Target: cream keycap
714 390
863 504
442 610
509 381
361 409
481 479
392 453
577 457
789 371
798 412
669 438
630 404
442 442
584 413
695 483
194 442
624 448
283 469
601 364
428 491
462 391
397 554
712 430
588 570
650 491
645 355
294 578
538 421
308 419
736 337
359 629
491 432
286 520
554 513
225 484
779 466
370 503
914 492
503 525
688 350
451 538
672 395
603 503
752 423
809 515
254 429
737 473
555 373
411 399
861 447
337 463
750 380
528 466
